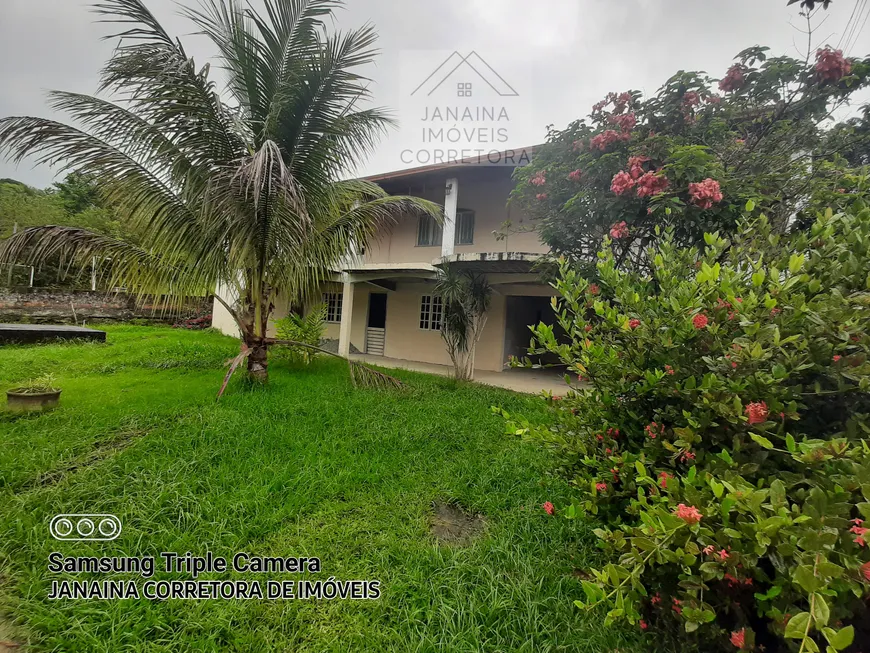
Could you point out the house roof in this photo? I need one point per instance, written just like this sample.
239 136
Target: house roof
508 159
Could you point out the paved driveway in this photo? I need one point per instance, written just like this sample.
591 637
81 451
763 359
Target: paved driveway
519 380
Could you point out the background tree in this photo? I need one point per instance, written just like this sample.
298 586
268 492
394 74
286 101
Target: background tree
691 157
243 192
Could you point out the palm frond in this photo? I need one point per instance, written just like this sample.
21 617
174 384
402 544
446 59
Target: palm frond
233 366
133 12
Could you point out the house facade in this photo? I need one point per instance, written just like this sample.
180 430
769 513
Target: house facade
382 302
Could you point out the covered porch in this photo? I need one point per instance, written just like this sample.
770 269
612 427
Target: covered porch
393 312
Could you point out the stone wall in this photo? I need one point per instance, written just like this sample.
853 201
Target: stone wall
46 305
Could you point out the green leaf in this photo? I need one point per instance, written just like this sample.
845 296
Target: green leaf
750 206
764 442
795 263
843 639
821 611
805 577
797 626
790 443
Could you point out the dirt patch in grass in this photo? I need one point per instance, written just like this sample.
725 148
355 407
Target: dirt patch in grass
451 524
102 451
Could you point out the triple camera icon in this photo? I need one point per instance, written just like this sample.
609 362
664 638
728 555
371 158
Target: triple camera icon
85 528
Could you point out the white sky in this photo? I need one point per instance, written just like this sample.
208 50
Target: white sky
561 55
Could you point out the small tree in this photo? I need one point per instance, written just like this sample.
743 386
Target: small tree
466 298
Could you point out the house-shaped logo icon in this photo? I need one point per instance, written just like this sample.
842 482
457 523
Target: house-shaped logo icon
472 61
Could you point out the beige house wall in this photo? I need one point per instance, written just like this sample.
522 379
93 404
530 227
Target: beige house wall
488 200
404 339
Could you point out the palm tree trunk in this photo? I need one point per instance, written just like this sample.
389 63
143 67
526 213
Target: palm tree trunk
258 363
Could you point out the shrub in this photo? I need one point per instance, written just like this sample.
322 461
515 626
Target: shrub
722 436
308 329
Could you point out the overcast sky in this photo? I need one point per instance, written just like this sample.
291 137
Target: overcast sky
561 56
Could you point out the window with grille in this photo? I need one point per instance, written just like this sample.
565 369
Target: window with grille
464 227
429 232
431 312
333 306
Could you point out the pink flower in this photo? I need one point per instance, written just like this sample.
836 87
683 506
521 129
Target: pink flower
669 369
587 328
775 311
601 487
654 429
677 607
635 165
633 323
738 638
539 179
700 321
706 193
691 99
723 555
622 183
686 456
709 549
625 122
663 479
831 65
541 197
757 412
643 624
860 531
865 570
548 507
734 79
656 599
837 357
575 175
651 184
604 139
619 230
688 514
594 289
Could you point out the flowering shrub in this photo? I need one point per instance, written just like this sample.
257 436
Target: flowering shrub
690 156
722 440
194 323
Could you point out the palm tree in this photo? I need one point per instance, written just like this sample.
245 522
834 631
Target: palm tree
465 297
243 190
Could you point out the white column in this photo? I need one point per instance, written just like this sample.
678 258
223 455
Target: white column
451 200
220 316
346 316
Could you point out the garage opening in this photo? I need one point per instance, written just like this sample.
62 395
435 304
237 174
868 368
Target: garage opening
520 313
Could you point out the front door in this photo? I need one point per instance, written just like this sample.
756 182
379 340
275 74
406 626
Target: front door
376 327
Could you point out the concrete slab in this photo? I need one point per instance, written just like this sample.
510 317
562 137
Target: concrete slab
25 334
518 380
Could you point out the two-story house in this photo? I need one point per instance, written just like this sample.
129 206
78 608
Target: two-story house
382 302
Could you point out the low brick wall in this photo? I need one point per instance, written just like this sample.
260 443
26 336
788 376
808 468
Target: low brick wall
46 305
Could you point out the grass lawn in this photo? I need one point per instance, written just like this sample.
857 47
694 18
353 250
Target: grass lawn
308 466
